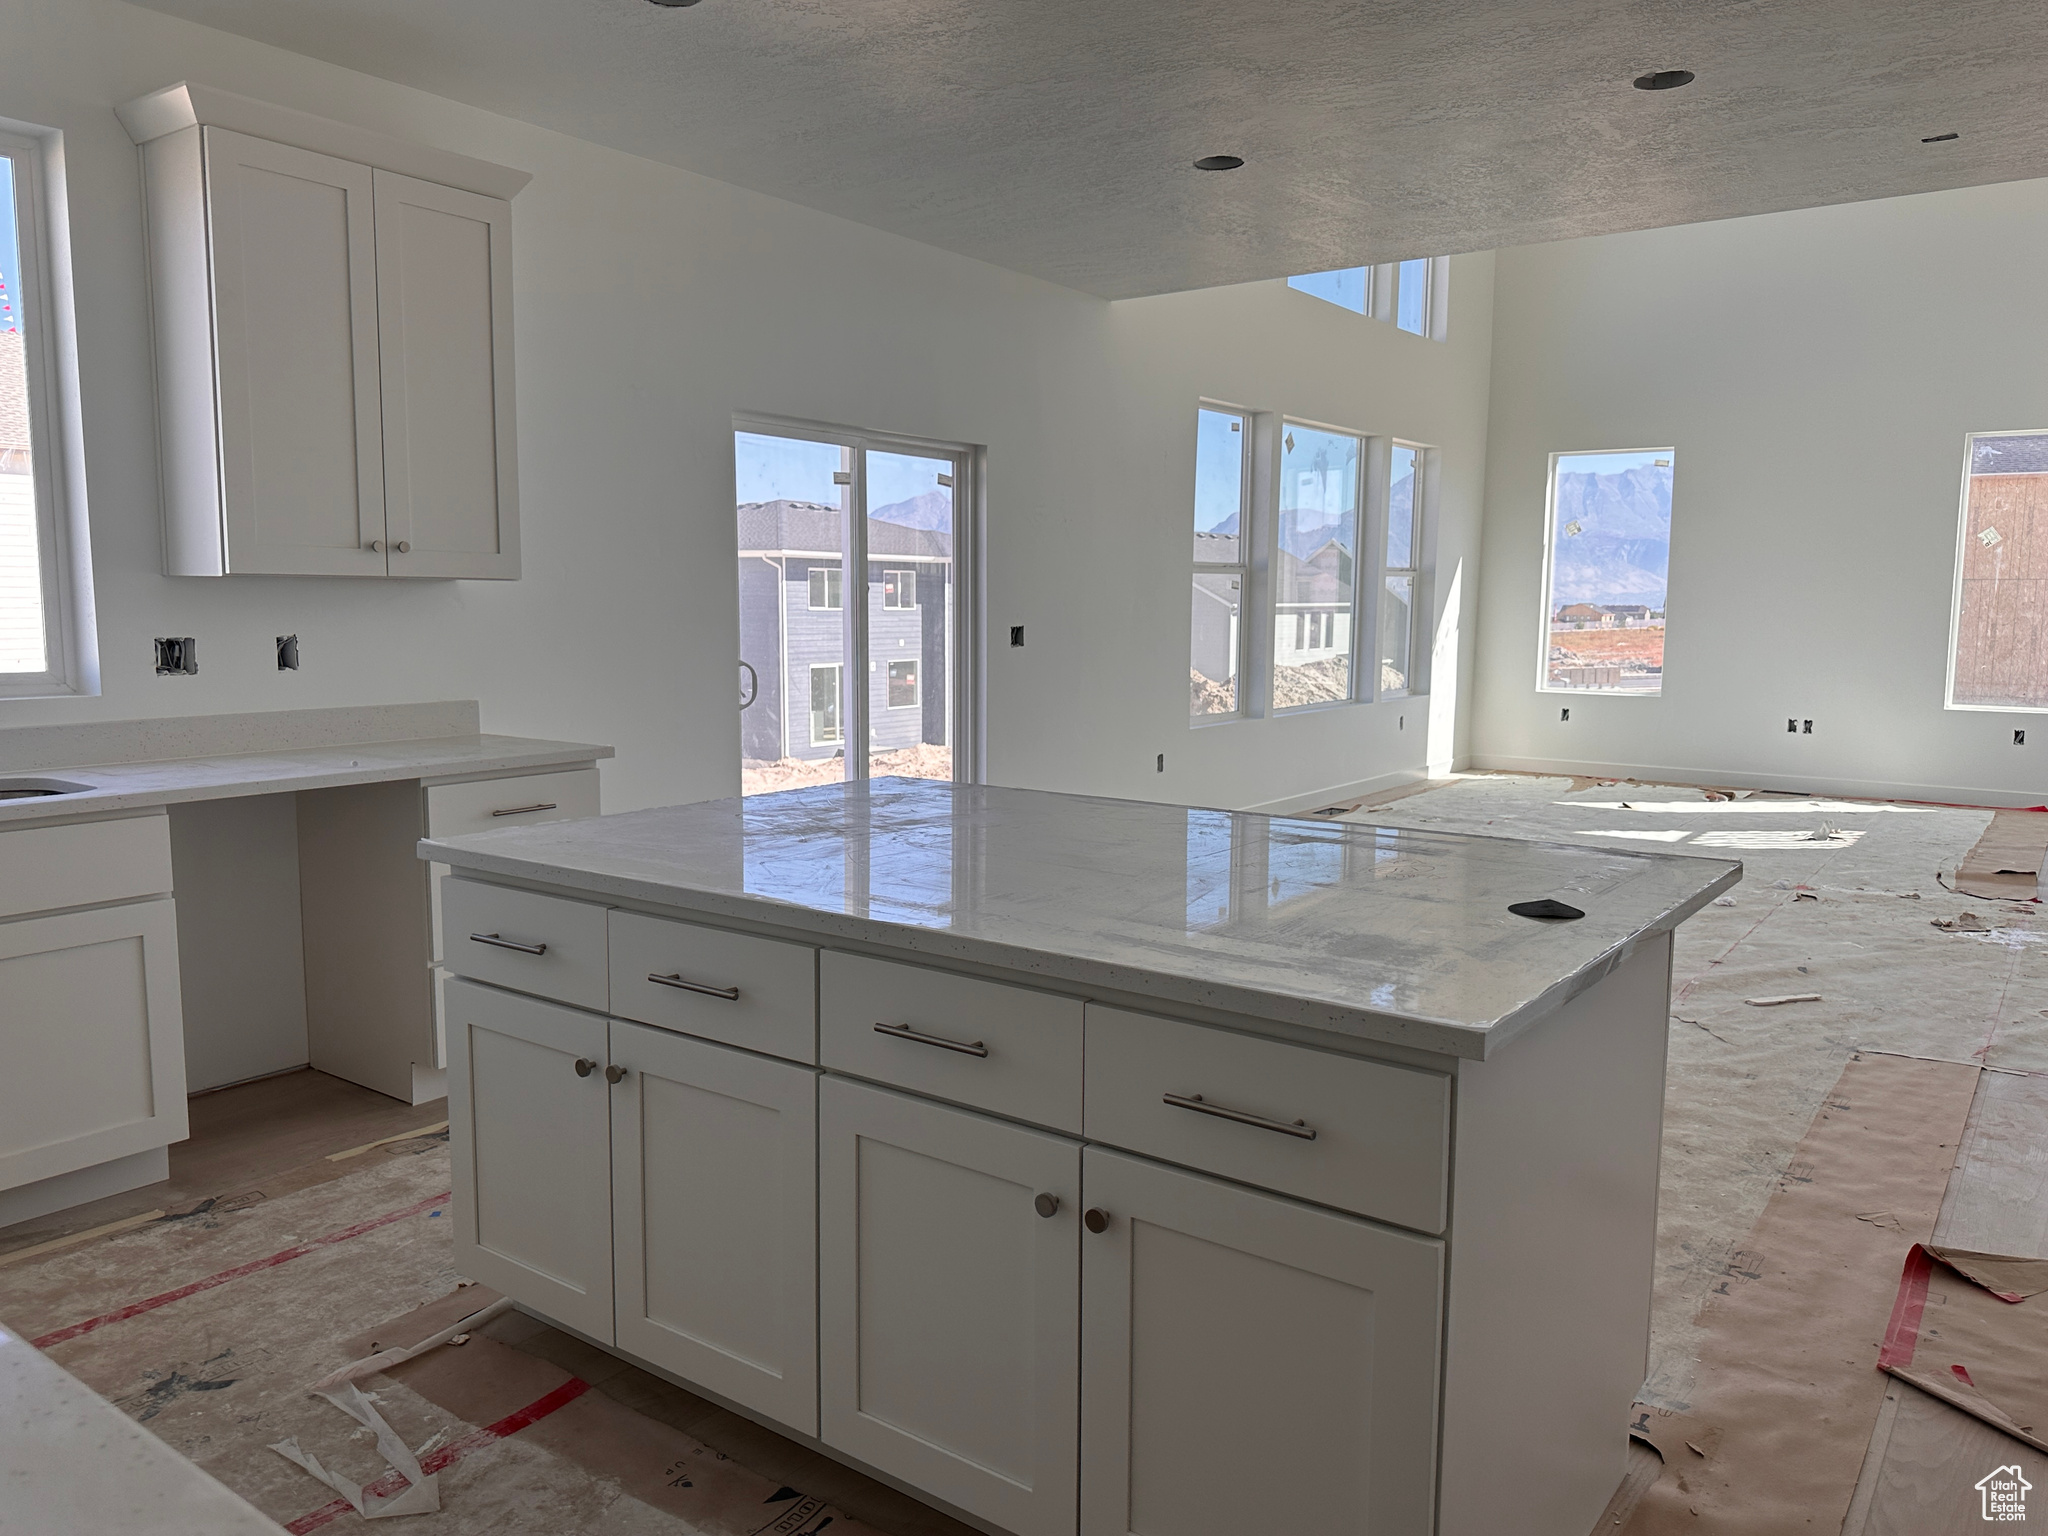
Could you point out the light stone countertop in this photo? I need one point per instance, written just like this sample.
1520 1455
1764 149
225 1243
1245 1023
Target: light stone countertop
1378 933
70 1461
121 786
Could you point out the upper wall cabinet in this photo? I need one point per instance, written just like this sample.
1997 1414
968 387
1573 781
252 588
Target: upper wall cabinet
333 315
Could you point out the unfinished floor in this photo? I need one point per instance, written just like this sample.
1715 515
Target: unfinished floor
323 1206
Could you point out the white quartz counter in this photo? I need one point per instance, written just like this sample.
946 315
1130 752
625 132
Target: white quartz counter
70 1461
1379 933
118 786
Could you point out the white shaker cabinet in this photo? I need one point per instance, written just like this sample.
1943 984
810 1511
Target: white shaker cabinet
333 316
1228 1329
714 1217
530 1144
949 1315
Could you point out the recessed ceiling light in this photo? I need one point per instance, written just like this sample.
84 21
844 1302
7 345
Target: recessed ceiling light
1664 79
672 3
1219 162
1941 138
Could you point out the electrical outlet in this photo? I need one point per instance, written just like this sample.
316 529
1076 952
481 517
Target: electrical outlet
1563 715
175 657
1791 727
1017 634
287 653
1806 727
2019 738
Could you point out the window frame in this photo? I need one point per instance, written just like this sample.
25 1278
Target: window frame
1242 569
820 578
1955 612
1419 523
916 682
63 541
895 576
1544 606
967 684
838 699
1369 525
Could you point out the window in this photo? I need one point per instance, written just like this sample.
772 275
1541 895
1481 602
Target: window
903 685
1403 554
45 641
1999 653
1350 287
825 725
1412 295
1608 556
1216 643
899 589
1315 567
825 513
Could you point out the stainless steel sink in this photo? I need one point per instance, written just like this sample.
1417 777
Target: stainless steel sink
35 789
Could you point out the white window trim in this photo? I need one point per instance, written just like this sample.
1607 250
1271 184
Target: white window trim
899 572
1420 502
1543 683
1242 570
827 572
815 668
63 535
1955 609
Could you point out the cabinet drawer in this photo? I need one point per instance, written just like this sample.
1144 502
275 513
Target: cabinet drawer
997 1047
80 863
758 993
1381 1133
526 941
454 810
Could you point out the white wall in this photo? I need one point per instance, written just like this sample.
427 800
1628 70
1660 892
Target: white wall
651 304
1816 372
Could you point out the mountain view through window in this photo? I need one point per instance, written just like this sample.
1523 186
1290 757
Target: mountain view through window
1610 559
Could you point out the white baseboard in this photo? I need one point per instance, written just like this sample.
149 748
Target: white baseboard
1731 778
26 1202
1295 805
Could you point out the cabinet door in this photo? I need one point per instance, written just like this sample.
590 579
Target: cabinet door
444 305
949 1316
295 342
91 1039
530 1140
1252 1364
714 1216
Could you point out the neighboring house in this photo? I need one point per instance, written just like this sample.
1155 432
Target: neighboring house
1312 618
1579 615
1629 613
792 632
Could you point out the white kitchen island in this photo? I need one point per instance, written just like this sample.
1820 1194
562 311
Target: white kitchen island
1085 1165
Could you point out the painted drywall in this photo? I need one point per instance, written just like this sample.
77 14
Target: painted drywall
651 304
1816 372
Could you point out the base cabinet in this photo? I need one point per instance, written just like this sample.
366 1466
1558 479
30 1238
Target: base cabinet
1229 1332
530 1144
950 1309
714 1189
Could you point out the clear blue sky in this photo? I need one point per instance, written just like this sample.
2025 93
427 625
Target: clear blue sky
10 255
1219 468
788 468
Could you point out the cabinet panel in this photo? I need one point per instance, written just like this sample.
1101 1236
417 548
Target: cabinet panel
776 1006
1230 1329
530 1145
949 1325
1027 1061
82 863
444 295
295 348
1382 1132
91 1037
714 1168
455 810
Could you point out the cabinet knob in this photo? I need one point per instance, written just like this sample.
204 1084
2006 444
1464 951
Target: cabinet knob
1046 1205
585 1066
377 545
614 1073
1095 1219
403 546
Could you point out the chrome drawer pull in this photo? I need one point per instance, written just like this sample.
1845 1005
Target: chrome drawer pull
497 943
905 1032
1202 1106
730 994
526 810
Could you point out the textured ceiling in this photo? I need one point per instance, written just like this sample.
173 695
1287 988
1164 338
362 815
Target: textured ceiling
1057 137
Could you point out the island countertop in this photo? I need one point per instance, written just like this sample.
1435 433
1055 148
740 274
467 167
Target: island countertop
1379 933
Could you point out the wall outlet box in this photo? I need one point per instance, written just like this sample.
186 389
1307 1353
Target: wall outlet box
177 657
287 653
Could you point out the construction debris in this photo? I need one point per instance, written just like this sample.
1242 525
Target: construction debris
1790 997
1962 922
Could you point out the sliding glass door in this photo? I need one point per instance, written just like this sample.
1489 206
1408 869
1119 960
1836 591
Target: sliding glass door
853 619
